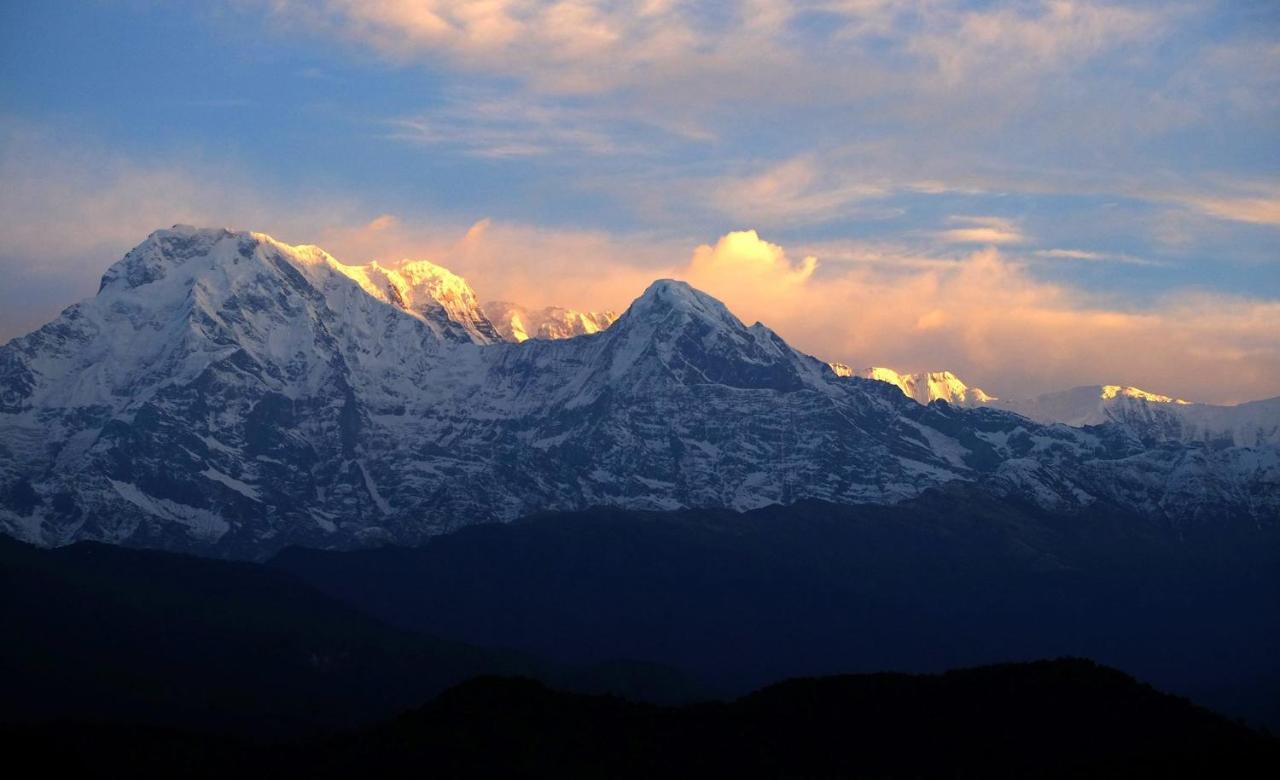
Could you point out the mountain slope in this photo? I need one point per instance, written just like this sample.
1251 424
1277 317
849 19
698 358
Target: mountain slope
847 589
229 394
1063 718
101 633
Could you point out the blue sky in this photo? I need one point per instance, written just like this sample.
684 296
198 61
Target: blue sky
1034 194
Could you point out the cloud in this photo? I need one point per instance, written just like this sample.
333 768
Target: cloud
527 264
745 259
586 46
982 230
999 43
1259 211
1093 257
69 208
785 114
569 46
987 317
795 191
506 127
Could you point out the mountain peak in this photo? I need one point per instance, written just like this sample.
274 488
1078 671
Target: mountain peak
517 323
924 386
161 252
1107 392
672 295
682 332
230 392
429 292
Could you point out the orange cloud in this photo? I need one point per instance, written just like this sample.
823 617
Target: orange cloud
988 318
742 258
983 315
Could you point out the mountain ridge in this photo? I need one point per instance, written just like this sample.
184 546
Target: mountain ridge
227 393
1153 417
518 323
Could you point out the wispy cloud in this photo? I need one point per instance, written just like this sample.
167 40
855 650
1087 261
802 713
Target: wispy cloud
507 127
796 191
982 230
1257 210
1093 257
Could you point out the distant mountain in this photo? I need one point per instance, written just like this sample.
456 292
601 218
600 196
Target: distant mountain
1152 417
1064 718
1155 417
229 394
516 323
922 387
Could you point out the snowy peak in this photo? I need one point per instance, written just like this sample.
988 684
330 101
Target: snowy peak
227 391
922 387
160 253
434 294
666 297
1153 417
675 330
1107 392
1092 404
517 323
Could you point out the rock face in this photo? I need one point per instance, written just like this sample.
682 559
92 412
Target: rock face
516 323
230 394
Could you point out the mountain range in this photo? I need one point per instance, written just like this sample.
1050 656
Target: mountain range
517 323
1151 416
230 394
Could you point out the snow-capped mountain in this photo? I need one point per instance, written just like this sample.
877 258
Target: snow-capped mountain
923 387
1156 417
439 297
517 323
228 393
1152 417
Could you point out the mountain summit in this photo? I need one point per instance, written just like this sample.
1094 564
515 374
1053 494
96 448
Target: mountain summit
517 323
228 393
924 387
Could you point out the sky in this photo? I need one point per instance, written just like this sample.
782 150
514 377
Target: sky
1035 194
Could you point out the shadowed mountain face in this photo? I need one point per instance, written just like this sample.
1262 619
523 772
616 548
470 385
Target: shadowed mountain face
956 577
230 395
100 633
153 662
1049 719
